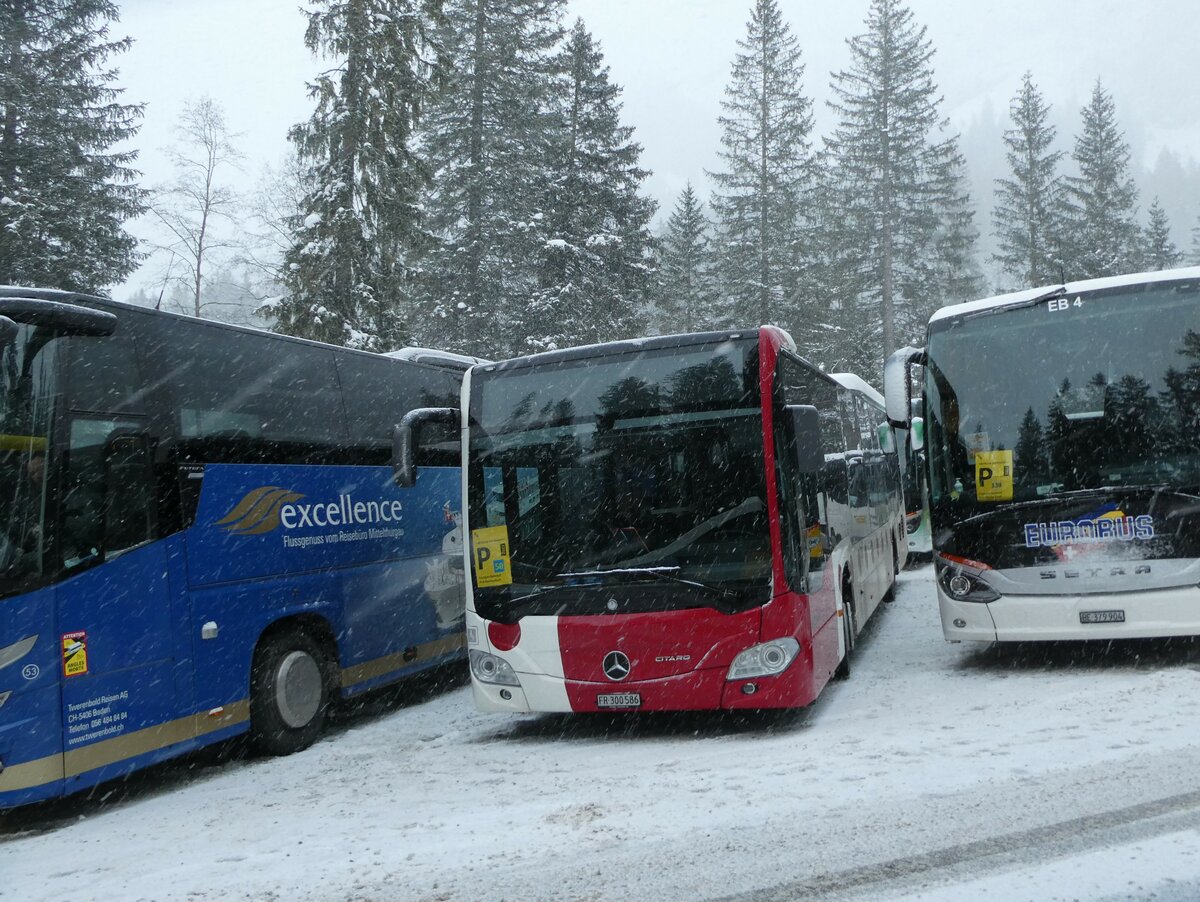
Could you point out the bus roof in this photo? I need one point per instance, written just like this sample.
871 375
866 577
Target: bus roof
440 359
858 384
1028 294
432 355
627 346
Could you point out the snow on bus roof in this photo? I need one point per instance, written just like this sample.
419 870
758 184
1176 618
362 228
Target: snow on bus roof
1028 294
857 383
432 355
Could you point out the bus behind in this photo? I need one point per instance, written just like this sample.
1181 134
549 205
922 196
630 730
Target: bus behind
688 522
1063 432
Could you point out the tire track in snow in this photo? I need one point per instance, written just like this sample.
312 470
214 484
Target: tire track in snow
946 865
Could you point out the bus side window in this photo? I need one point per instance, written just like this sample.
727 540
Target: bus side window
107 502
129 501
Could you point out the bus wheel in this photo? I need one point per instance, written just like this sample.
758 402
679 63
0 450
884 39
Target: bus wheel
289 693
843 669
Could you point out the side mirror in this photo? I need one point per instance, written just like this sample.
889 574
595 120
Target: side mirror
407 436
896 394
916 437
804 424
68 319
887 438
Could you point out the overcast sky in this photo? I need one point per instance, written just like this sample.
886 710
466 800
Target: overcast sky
672 57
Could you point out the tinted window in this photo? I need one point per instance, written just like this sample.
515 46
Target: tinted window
1097 390
379 391
246 397
102 373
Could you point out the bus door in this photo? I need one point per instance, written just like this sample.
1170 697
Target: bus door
116 613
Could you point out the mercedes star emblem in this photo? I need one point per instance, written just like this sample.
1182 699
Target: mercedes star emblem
616 665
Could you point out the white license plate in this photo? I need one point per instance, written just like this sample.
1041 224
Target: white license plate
1101 616
619 700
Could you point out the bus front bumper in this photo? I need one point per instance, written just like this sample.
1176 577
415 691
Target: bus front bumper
1158 613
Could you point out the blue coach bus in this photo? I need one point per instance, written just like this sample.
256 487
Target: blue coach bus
200 536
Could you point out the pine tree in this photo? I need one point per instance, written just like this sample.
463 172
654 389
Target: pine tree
64 193
359 234
767 171
593 270
1104 236
1031 463
1159 251
1027 216
490 138
685 296
1195 261
906 239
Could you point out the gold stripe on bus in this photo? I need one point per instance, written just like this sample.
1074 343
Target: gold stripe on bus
119 748
22 443
54 767
110 751
32 773
378 667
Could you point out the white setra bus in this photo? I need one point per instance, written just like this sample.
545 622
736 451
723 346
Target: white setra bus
1063 434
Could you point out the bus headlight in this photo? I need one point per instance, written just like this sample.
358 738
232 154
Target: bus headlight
487 668
766 659
962 582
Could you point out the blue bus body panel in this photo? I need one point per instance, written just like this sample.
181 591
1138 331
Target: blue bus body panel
263 548
31 733
376 562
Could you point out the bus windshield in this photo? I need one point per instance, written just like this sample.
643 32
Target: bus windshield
1088 392
641 468
26 392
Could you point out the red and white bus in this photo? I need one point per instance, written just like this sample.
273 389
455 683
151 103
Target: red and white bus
680 523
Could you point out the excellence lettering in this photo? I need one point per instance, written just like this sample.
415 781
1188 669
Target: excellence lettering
343 512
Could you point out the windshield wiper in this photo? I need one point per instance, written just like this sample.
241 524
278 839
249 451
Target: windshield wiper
1060 291
656 572
1052 497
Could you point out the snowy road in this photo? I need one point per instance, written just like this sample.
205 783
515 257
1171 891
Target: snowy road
938 772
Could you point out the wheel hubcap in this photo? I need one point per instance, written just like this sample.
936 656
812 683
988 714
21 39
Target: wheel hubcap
298 689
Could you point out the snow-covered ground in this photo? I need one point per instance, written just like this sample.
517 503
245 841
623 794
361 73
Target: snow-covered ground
937 771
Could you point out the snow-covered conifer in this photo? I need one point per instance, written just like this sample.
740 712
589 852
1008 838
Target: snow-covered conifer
1102 198
360 235
1158 250
906 243
684 299
64 191
767 170
1027 217
491 141
593 270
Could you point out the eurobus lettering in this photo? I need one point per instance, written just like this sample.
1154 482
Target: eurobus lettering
689 522
200 536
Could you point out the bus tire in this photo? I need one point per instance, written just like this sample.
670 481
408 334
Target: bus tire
289 693
847 618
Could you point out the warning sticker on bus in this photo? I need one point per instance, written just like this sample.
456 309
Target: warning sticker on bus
994 475
74 653
489 551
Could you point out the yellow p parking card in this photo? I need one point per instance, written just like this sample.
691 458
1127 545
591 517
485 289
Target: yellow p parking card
489 550
994 475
